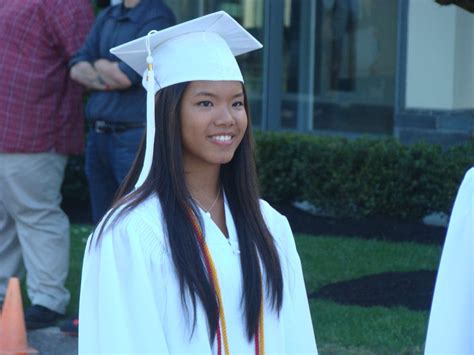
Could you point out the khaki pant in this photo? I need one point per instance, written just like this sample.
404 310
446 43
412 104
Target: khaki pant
34 231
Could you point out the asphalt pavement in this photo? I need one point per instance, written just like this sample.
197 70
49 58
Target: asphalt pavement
51 341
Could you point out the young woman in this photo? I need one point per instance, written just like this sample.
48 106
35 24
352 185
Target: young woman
189 260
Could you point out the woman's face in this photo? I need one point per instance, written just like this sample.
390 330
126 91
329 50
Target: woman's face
213 122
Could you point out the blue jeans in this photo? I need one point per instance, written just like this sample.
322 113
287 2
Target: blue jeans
109 157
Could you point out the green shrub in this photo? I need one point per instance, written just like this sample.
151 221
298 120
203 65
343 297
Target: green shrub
361 177
365 177
75 182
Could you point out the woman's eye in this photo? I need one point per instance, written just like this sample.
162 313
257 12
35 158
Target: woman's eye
238 104
205 103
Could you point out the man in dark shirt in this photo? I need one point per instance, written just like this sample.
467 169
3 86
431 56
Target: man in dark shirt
115 108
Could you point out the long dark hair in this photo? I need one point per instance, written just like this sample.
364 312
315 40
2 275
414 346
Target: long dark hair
239 180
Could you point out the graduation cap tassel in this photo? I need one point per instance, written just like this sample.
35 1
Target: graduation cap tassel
150 115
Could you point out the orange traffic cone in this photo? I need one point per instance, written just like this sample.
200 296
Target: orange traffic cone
12 323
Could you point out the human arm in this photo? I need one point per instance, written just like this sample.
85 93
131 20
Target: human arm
89 69
157 23
112 75
103 75
451 321
119 308
81 64
85 74
294 316
69 23
295 313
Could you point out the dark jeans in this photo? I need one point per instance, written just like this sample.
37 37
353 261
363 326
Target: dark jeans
109 157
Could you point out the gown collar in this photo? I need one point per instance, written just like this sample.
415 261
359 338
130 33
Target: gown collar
212 232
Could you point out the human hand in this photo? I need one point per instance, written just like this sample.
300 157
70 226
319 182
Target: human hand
111 75
85 74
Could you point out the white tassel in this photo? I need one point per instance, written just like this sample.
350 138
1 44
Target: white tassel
150 116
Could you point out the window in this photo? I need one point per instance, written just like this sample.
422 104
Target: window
340 59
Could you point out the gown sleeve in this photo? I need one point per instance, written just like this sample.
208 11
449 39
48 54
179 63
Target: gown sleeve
119 309
451 324
296 317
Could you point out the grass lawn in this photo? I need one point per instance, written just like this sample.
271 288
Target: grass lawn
340 329
79 234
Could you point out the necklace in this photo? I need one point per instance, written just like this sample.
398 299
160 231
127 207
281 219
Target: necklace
208 210
221 332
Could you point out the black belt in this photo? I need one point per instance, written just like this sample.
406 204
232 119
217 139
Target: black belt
114 127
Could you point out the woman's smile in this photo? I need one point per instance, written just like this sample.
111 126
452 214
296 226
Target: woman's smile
221 139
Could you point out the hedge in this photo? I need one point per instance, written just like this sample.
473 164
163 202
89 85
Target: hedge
360 177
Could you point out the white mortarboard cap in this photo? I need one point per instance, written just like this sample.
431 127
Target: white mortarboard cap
200 49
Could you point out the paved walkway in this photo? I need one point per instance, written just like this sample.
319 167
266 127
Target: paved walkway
51 341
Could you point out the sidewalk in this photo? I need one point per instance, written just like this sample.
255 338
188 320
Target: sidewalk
51 341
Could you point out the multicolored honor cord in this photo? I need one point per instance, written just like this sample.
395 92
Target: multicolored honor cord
221 333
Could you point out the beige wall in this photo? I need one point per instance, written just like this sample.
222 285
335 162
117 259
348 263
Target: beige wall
440 57
464 62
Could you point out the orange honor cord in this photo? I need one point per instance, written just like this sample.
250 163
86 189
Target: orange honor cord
261 337
211 269
259 334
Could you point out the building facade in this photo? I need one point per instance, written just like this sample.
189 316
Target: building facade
388 68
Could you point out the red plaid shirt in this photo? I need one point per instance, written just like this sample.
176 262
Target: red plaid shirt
40 107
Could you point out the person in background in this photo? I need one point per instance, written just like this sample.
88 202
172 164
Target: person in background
115 107
41 123
451 323
190 260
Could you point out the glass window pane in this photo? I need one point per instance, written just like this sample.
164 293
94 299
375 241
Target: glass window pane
355 76
249 13
339 65
298 61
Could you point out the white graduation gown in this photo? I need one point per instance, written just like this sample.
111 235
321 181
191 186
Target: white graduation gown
451 324
130 299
